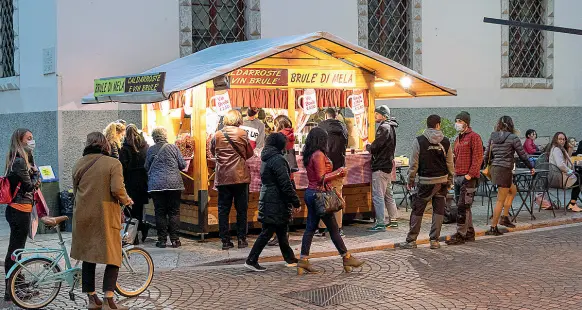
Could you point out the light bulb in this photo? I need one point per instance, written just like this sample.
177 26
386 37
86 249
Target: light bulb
406 82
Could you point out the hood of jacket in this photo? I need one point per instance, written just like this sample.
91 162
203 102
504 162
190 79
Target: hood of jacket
289 133
332 126
269 151
499 137
434 136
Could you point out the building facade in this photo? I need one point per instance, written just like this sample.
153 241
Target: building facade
57 47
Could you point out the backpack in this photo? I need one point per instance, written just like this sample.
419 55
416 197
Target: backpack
5 196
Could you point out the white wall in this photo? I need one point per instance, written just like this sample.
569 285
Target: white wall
109 38
37 30
461 51
284 18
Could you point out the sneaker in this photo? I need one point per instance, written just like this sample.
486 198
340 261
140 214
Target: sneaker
378 227
227 245
456 239
321 233
493 231
176 244
505 221
273 242
242 243
160 244
392 224
341 232
292 263
435 244
408 245
255 266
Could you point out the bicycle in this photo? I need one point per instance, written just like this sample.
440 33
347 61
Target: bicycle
36 278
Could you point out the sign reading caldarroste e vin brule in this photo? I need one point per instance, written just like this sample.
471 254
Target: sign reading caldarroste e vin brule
301 78
153 82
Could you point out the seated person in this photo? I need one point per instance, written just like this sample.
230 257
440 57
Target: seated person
529 145
562 170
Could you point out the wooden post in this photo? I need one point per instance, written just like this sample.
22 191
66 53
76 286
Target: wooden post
144 118
198 125
291 105
371 108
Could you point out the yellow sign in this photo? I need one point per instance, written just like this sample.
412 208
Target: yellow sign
109 86
308 78
46 173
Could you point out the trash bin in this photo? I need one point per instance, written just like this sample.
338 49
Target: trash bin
66 203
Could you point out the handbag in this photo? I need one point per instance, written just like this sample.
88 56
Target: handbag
487 171
33 224
6 196
327 201
40 204
291 159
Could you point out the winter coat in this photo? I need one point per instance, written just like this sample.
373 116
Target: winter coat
277 195
434 137
560 166
530 147
289 133
97 214
28 180
503 146
231 168
337 141
164 168
383 147
134 172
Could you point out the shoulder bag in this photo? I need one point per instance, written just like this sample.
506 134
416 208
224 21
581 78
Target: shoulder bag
156 157
6 196
327 201
232 144
76 181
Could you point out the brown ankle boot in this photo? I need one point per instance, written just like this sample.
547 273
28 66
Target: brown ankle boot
109 304
350 262
94 302
303 266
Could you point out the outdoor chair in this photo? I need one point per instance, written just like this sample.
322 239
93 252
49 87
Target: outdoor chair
486 189
402 184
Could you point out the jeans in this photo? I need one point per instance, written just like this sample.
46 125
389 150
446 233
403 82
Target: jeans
465 193
437 193
263 239
313 220
383 198
226 194
167 207
88 277
19 223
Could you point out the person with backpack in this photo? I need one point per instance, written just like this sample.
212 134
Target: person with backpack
432 162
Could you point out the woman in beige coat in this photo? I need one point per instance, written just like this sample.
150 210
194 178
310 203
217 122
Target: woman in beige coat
99 189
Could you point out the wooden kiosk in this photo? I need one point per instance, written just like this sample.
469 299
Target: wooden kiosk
297 76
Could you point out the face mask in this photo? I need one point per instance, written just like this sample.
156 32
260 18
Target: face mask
30 144
459 127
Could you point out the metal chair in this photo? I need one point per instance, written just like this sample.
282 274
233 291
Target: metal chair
402 183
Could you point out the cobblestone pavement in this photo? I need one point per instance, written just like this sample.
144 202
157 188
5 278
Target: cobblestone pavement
537 269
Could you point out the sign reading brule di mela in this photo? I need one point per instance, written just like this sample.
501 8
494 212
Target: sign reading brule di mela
152 82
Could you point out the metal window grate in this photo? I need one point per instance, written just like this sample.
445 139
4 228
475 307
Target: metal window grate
526 51
217 22
6 39
389 31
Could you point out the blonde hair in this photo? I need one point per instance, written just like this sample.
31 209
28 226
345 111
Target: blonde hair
17 147
113 133
233 118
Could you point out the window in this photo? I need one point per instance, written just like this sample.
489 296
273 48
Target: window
7 67
527 54
217 22
389 29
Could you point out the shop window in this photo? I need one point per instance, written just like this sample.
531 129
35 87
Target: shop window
7 48
389 29
216 22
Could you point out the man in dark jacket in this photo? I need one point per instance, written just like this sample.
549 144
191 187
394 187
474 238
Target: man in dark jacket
432 162
276 201
337 144
382 150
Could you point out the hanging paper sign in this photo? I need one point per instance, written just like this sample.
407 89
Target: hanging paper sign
308 102
356 103
222 103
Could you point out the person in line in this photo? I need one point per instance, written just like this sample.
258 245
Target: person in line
337 144
232 148
562 170
502 146
572 143
284 125
255 129
98 188
529 145
114 134
432 161
382 150
468 151
24 179
276 201
163 164
133 157
319 171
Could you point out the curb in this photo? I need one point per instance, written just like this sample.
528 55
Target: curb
394 246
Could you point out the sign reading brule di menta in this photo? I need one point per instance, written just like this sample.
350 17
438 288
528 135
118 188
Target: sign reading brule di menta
152 82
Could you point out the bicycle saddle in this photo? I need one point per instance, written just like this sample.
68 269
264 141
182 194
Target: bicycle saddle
53 221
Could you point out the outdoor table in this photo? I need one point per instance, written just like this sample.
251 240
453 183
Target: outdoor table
525 182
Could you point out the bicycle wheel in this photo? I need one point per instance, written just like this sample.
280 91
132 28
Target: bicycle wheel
135 274
25 290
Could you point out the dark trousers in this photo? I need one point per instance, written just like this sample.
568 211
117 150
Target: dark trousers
575 191
19 223
312 223
226 194
167 207
263 239
437 194
465 193
137 212
88 277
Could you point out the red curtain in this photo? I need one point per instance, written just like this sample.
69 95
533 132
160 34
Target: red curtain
254 97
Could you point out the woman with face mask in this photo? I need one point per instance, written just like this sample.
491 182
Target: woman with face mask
24 179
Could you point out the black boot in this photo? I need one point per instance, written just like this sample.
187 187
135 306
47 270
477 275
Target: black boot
493 231
226 244
144 231
242 243
505 221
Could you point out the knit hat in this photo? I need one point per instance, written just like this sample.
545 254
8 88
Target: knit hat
384 110
465 117
277 140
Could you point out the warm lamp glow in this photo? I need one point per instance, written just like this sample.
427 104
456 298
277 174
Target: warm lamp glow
384 84
406 82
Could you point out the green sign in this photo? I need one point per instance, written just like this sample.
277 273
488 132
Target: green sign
153 82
